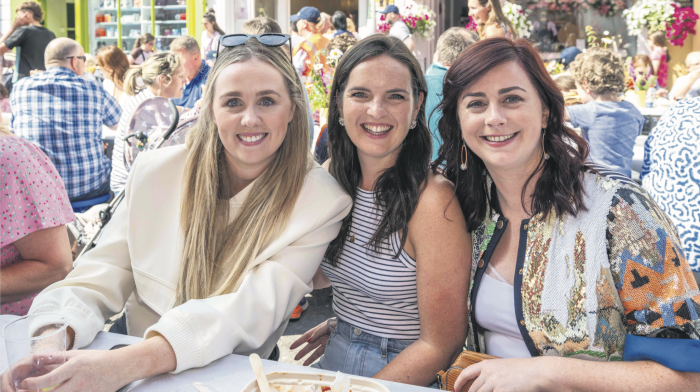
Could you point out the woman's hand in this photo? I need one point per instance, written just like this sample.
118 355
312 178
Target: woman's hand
97 371
521 374
316 339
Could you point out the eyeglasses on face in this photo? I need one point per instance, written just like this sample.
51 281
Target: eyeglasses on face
268 39
77 57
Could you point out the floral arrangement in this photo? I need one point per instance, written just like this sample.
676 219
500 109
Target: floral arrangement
682 22
334 56
650 14
419 19
320 88
643 84
383 26
554 68
518 18
602 7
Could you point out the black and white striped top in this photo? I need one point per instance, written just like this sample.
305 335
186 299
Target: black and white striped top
374 292
119 170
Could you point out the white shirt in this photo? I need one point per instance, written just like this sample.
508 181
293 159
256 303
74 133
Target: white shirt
400 30
209 42
495 312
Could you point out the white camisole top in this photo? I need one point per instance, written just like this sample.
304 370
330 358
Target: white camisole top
495 312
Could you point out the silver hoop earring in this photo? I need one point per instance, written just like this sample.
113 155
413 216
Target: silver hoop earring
341 121
413 124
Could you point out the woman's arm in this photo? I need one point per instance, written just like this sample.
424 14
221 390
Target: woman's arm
104 371
442 247
550 373
46 258
99 285
242 322
131 59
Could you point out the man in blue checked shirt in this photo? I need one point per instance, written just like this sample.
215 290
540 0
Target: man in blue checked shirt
63 113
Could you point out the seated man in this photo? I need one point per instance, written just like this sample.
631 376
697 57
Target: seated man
196 70
62 113
688 86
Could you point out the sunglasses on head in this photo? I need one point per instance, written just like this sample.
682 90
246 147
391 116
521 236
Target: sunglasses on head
268 39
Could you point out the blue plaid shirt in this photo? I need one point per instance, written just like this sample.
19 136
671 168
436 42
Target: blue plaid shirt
62 113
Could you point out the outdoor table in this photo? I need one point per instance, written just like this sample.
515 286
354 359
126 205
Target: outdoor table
228 374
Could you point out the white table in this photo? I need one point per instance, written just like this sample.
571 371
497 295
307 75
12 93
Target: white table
228 374
653 112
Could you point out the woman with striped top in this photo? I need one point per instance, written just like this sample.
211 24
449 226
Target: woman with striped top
399 267
163 76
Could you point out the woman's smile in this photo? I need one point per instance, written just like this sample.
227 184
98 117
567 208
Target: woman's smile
376 130
499 140
251 139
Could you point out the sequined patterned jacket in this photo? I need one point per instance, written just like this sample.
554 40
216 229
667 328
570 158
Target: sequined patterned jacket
582 284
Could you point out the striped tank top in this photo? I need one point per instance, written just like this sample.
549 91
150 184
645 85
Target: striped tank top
374 292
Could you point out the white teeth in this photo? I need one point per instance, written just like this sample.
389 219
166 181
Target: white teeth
499 138
376 129
251 139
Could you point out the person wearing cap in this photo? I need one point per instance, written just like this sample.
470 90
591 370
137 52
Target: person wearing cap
304 53
398 27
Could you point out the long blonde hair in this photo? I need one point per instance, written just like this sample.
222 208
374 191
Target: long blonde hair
159 64
213 246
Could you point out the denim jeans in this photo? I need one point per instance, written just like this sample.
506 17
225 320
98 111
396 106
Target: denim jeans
353 351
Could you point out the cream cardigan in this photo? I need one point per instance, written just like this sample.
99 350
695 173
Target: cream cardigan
137 262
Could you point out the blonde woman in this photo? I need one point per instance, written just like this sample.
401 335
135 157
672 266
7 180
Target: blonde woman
490 19
163 75
216 240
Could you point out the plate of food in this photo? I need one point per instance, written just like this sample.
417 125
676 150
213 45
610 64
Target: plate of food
308 381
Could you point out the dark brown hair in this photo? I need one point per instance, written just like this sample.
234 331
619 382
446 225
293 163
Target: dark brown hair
398 188
560 184
211 17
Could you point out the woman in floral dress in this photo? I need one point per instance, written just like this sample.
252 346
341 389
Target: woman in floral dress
34 208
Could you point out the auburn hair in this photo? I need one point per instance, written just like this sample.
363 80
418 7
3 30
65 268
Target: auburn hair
560 184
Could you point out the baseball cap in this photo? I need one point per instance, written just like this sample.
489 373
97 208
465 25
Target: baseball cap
390 8
310 14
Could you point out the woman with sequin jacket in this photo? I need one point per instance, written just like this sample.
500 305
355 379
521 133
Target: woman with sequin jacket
574 266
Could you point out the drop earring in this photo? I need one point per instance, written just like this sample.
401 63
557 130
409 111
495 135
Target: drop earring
546 156
341 121
464 156
413 124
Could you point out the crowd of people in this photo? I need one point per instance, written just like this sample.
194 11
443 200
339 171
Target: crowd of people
473 204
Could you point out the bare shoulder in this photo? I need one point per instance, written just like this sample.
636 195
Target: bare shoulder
438 201
437 194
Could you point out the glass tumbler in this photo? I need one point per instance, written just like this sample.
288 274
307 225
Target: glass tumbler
35 345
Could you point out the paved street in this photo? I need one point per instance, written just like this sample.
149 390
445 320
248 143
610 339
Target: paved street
320 309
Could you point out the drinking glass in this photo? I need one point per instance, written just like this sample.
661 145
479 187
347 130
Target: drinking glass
35 345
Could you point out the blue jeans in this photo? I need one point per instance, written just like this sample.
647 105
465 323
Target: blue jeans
353 351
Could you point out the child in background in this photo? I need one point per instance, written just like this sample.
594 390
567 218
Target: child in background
659 56
609 125
641 67
567 85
